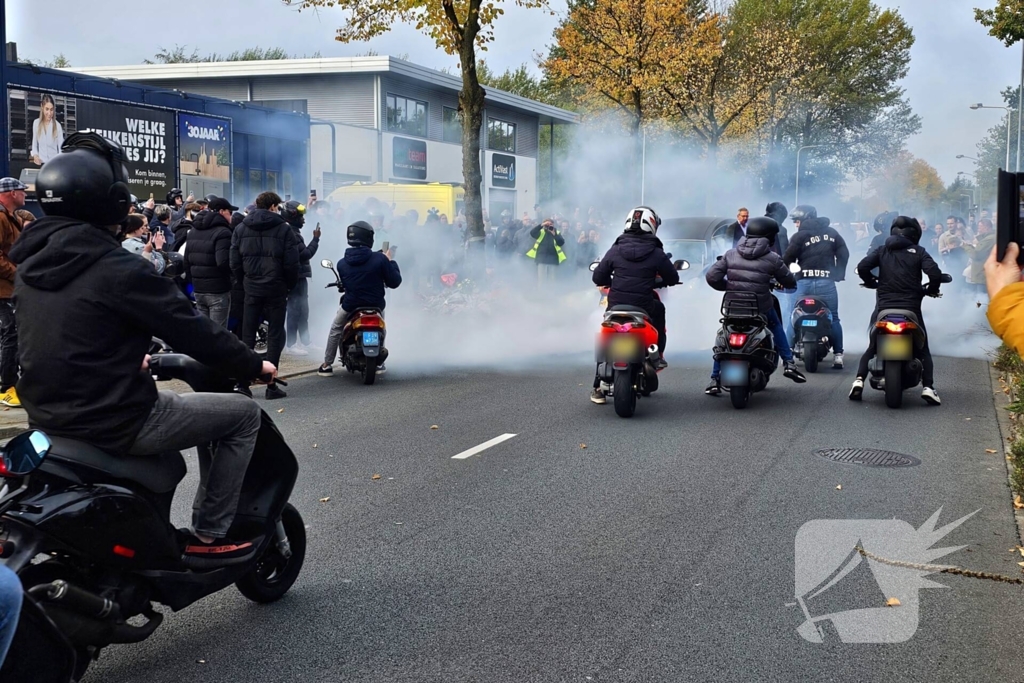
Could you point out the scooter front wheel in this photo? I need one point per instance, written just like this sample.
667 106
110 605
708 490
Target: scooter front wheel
273 574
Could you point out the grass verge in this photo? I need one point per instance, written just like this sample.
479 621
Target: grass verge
1012 366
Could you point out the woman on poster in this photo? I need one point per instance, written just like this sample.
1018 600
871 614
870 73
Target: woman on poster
47 133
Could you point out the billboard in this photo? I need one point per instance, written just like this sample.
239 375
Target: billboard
409 158
503 171
204 146
40 121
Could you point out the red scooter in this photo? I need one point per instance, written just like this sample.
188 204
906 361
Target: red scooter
362 341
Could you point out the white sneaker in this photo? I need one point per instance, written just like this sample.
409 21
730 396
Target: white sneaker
837 361
296 351
857 389
931 397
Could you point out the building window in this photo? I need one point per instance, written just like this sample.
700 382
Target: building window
452 126
501 135
284 105
407 116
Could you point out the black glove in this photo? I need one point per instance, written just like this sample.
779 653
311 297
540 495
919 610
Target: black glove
870 284
932 290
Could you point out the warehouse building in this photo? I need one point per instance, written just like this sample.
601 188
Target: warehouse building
377 119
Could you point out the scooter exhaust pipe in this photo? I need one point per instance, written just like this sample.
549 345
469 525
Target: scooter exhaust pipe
74 598
652 349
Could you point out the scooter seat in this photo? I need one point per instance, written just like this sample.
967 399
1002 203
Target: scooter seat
909 315
158 473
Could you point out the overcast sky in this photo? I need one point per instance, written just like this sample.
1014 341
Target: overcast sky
954 62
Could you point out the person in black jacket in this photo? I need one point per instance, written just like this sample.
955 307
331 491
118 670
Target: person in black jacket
822 255
778 213
900 264
208 261
631 269
751 267
364 276
738 229
547 250
297 321
265 258
87 312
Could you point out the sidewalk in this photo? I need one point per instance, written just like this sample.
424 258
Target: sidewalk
14 420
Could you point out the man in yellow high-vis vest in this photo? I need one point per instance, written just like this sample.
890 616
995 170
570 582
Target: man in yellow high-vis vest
547 250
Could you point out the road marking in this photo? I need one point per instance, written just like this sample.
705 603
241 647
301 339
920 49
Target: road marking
482 447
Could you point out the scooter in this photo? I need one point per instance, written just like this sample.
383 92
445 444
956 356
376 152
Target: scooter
899 338
89 535
745 347
627 353
812 328
362 340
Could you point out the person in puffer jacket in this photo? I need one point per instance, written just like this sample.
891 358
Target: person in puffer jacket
751 267
297 320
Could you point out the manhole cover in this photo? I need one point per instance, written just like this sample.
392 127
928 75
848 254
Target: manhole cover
872 457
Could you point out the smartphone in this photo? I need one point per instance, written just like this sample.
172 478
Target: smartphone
151 195
1010 206
385 246
312 193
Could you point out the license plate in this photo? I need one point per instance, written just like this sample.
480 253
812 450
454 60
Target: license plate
896 347
809 323
371 338
622 347
735 374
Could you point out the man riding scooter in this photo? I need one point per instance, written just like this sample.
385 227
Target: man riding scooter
631 269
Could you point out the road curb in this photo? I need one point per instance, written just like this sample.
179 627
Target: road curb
1001 401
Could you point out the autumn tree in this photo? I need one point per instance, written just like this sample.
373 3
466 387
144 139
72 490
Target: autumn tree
909 185
460 28
1005 21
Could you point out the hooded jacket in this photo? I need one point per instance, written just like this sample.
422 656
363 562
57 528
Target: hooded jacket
778 213
306 252
208 257
364 275
631 267
265 254
87 312
820 251
900 265
750 267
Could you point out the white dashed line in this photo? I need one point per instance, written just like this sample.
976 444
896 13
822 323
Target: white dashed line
482 447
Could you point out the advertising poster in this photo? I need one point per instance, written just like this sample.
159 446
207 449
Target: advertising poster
503 171
410 158
204 147
40 121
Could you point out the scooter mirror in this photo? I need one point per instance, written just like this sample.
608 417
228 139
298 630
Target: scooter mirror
24 453
593 266
326 263
682 264
794 268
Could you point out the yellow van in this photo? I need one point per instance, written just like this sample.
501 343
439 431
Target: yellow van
447 198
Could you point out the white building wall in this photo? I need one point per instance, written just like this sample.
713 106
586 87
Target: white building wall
356 153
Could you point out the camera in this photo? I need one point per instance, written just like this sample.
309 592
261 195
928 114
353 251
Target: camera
1010 207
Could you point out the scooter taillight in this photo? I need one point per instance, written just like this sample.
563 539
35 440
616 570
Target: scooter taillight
737 340
624 327
368 321
895 328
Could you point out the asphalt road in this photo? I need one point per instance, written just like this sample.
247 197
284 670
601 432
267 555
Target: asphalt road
663 551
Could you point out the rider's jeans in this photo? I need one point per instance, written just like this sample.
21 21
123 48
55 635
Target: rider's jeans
778 334
227 422
10 608
824 289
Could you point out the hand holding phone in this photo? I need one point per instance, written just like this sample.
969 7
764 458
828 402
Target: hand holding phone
385 247
316 231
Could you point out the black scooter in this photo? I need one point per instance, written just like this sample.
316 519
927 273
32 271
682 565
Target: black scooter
745 347
812 330
90 537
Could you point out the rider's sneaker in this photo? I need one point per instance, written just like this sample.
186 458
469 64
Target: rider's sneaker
221 552
714 388
660 364
857 389
598 396
794 374
931 397
10 398
837 361
325 370
381 369
274 391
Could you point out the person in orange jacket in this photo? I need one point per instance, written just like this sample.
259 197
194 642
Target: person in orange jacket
1006 297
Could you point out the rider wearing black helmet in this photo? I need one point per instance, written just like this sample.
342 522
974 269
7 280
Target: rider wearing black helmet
364 276
751 267
900 263
87 312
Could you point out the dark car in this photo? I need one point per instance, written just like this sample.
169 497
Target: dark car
698 240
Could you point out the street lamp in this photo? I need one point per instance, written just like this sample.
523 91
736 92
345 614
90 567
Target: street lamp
964 156
979 105
796 199
977 186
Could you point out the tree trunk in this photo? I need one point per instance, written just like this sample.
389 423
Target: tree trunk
712 167
471 101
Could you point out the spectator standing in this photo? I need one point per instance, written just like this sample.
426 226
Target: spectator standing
208 261
978 252
136 233
547 250
738 229
297 320
161 222
12 198
265 258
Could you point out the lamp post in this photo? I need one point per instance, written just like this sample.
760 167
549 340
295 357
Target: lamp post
1009 118
977 183
796 199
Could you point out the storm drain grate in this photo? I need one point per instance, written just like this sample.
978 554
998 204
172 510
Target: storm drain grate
871 457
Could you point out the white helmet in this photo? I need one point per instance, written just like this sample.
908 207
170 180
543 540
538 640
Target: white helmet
644 219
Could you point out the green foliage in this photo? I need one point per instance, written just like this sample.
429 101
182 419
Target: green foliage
1005 21
178 55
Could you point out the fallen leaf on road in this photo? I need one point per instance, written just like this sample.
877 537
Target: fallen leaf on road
967 419
893 602
1018 504
583 445
434 427
990 450
325 499
314 445
1020 564
398 523
839 488
375 477
200 661
281 410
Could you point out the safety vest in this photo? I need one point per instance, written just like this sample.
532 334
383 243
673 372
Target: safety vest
558 250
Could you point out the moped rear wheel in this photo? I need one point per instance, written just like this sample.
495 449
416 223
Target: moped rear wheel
811 358
273 574
370 371
893 383
624 394
739 396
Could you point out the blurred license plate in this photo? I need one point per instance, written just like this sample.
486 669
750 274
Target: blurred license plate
735 374
896 347
622 347
809 323
371 338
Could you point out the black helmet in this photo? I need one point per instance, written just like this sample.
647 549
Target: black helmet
294 213
174 194
360 234
776 211
762 226
803 212
87 181
907 227
210 197
884 221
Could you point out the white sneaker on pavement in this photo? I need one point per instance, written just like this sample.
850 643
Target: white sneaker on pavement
931 397
295 350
